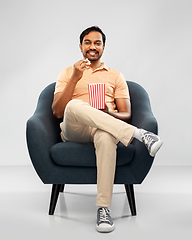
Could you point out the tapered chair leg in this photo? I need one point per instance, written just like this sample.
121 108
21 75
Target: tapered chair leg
62 188
54 196
131 198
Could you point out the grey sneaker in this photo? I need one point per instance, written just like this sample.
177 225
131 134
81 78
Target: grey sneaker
151 141
104 220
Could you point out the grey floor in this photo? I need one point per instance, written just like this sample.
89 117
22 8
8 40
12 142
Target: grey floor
164 207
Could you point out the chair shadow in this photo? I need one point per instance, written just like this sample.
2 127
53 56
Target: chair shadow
64 210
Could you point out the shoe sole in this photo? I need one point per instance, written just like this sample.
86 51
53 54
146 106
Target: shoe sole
156 147
105 228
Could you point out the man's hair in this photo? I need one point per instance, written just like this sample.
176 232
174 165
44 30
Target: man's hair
92 29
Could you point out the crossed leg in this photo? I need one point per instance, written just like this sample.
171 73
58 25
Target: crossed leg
82 123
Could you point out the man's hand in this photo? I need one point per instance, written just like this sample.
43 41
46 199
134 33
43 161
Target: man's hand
124 109
78 69
62 98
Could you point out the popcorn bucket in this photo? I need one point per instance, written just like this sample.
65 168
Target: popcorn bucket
97 95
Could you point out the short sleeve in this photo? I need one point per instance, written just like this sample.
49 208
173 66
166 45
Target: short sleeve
121 87
61 81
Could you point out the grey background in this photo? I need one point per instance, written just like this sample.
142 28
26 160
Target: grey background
149 41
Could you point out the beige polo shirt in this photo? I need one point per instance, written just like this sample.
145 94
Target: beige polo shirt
115 84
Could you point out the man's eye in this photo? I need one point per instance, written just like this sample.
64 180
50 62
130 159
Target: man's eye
86 43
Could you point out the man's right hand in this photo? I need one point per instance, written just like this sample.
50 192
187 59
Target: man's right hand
78 69
62 98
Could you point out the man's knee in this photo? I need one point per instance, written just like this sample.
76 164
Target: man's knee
74 104
104 138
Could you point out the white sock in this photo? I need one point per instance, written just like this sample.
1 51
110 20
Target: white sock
137 135
99 207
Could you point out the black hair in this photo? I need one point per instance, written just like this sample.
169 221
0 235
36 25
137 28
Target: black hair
92 29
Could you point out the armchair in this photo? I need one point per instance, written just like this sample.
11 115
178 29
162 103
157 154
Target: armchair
59 163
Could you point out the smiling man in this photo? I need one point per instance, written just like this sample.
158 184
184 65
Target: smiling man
92 47
106 127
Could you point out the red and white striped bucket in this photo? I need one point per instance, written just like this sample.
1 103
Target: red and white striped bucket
97 95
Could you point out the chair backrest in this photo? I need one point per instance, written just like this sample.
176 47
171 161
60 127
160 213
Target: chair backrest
140 106
139 98
140 103
45 100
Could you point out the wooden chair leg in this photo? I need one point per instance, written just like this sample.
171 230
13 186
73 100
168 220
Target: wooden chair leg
131 198
54 196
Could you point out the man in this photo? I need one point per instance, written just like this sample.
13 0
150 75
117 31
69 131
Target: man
105 128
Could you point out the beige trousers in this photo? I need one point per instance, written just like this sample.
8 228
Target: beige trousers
82 123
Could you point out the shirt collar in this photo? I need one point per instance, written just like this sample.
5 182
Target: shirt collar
103 66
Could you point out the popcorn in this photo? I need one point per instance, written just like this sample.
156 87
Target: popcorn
87 61
97 95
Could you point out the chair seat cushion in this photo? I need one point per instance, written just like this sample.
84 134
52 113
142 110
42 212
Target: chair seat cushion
83 154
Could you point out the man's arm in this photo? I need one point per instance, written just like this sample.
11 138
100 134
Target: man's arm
124 109
62 98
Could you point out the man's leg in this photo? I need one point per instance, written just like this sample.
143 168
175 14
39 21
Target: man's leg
81 124
75 127
85 115
74 130
80 119
105 148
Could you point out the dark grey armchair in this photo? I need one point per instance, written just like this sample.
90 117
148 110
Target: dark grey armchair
59 163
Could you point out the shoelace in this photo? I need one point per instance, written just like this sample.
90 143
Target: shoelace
104 215
147 139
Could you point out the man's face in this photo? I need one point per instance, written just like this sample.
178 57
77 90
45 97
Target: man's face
92 46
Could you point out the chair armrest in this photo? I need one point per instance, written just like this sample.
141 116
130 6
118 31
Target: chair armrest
142 117
146 121
42 132
41 136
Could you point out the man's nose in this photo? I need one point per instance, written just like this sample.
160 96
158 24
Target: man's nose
92 46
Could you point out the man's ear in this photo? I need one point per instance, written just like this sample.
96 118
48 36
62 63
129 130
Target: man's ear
80 46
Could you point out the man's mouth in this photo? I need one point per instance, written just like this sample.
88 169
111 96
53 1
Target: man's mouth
92 53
